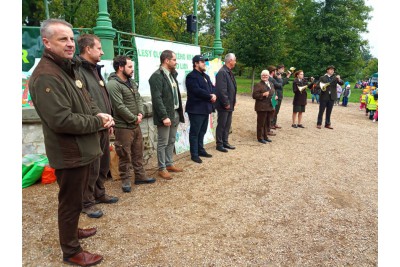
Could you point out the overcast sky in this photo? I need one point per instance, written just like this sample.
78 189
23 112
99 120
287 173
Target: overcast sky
372 36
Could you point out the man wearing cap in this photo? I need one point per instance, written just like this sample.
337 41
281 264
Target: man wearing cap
199 105
328 96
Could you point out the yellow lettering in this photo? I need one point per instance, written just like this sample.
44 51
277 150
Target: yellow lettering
25 56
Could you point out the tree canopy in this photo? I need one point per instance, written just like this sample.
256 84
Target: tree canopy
307 34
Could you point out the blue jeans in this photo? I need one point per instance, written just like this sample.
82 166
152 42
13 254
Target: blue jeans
198 128
345 101
316 96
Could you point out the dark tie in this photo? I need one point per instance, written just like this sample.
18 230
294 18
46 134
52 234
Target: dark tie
174 89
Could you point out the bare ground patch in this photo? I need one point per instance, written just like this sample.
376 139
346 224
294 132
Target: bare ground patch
306 199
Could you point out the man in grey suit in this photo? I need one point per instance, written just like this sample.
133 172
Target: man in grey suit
226 100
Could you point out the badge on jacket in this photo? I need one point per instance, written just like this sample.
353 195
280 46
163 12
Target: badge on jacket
101 83
78 83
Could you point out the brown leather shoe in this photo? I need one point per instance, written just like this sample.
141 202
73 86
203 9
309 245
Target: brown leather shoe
277 127
84 258
319 126
165 175
329 126
271 133
174 169
84 233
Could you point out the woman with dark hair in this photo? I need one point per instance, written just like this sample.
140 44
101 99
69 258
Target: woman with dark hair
300 97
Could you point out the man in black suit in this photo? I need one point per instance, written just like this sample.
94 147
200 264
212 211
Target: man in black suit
328 96
200 99
226 100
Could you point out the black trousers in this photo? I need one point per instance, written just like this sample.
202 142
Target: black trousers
328 105
276 112
224 125
72 183
198 128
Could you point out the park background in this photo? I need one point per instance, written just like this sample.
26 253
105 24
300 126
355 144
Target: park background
388 215
306 34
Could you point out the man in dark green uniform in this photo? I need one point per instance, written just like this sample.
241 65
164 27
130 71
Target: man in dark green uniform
90 54
70 122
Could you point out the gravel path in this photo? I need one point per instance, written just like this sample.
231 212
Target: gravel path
309 198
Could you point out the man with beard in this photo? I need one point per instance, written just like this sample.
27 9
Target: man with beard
90 54
128 114
167 111
199 105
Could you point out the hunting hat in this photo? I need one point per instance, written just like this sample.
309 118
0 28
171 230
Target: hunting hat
271 68
330 67
198 58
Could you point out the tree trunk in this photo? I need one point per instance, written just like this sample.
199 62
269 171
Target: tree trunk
252 78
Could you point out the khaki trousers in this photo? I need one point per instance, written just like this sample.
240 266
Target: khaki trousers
129 148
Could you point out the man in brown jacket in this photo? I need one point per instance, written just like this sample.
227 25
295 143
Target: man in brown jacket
90 54
262 93
70 122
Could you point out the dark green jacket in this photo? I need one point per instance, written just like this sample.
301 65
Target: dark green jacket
280 83
330 93
91 74
162 98
126 101
67 112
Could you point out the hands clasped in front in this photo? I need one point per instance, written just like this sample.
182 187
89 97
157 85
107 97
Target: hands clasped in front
213 98
107 120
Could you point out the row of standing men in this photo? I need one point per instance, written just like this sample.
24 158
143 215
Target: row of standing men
79 112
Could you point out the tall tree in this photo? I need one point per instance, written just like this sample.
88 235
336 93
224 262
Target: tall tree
254 32
371 68
329 33
33 12
170 16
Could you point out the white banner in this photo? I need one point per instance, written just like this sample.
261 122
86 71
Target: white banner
149 52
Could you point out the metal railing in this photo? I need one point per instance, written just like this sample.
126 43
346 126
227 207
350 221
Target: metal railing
124 44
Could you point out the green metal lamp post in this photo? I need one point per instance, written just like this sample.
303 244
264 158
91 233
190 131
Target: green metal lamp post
105 31
46 9
217 47
196 34
133 16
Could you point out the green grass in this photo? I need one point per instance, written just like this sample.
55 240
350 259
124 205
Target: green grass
244 87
